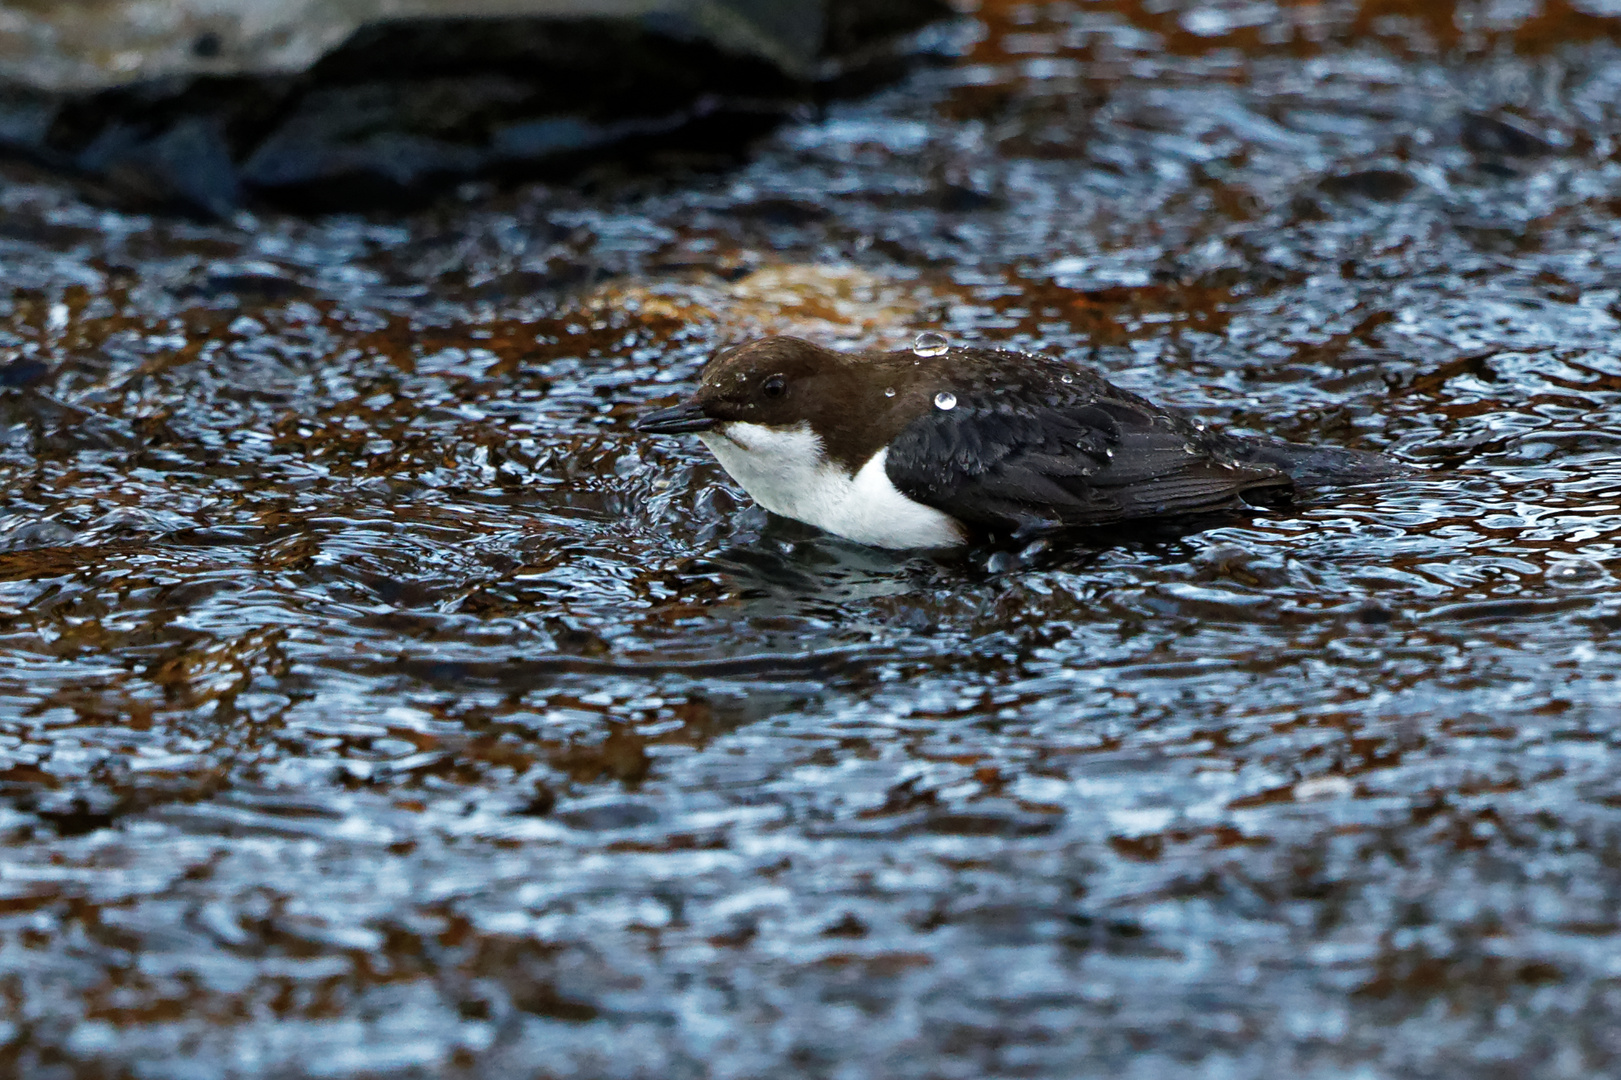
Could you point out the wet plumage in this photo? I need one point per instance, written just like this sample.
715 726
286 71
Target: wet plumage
993 440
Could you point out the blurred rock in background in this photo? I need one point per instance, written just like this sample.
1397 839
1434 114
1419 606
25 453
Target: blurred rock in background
204 105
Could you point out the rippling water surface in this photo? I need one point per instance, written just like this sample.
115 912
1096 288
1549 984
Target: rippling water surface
378 703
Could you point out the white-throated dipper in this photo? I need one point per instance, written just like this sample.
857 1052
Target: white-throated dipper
922 448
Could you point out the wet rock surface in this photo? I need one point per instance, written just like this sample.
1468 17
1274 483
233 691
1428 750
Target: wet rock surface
398 109
378 703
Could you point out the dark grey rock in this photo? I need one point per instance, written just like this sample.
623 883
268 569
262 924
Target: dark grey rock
403 106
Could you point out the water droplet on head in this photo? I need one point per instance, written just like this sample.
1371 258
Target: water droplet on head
889 391
1576 573
930 343
945 400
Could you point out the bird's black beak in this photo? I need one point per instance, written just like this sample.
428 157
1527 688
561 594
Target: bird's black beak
683 419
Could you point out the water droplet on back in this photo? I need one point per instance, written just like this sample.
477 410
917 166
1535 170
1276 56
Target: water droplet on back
889 391
930 343
1068 378
945 400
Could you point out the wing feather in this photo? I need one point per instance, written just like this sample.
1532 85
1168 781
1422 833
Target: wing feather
1022 456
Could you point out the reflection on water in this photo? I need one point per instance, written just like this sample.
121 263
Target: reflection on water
377 702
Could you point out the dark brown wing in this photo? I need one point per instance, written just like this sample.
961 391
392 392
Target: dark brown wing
1040 452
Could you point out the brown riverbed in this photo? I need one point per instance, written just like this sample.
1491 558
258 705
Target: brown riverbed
378 703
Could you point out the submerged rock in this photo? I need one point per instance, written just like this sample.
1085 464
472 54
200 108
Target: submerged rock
202 107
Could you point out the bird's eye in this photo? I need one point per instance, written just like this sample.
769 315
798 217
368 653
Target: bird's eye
774 386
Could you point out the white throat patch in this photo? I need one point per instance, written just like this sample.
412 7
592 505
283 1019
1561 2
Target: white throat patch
786 470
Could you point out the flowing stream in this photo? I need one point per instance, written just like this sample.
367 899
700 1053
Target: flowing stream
375 702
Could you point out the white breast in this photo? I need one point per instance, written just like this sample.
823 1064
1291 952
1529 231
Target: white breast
786 470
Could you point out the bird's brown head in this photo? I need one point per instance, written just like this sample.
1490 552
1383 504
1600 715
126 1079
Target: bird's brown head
782 382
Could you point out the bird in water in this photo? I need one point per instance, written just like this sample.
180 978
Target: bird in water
925 448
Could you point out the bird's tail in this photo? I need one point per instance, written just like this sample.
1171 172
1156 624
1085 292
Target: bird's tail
1321 465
